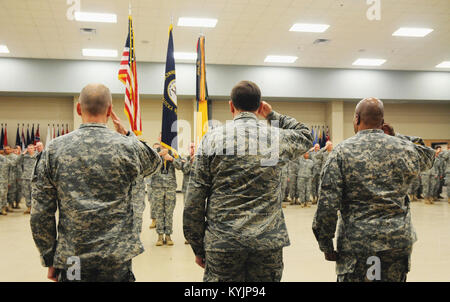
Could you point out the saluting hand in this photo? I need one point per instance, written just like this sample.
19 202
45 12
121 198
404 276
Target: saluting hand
118 124
264 110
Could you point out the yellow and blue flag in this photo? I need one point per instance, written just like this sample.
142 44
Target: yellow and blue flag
203 106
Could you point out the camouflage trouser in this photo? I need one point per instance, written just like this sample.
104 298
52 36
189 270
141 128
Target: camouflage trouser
244 266
393 268
26 191
447 180
151 202
430 186
13 193
304 189
106 272
164 200
283 188
315 185
414 186
292 189
3 195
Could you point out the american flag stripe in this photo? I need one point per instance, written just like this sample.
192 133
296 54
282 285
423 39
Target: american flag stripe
128 76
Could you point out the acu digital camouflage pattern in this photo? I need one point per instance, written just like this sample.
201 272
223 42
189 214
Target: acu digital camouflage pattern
4 177
237 194
365 180
394 267
27 162
87 175
316 172
292 176
164 194
104 272
14 176
304 179
138 193
186 169
244 266
431 179
446 156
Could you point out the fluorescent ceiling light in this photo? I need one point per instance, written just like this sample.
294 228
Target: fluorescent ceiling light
95 17
310 28
185 55
4 49
412 32
89 52
445 64
369 62
197 22
280 59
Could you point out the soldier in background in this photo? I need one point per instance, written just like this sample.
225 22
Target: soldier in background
413 189
431 183
316 172
186 169
292 185
164 195
27 164
447 172
86 176
4 177
441 166
151 201
233 217
365 180
138 193
284 184
39 147
304 179
13 182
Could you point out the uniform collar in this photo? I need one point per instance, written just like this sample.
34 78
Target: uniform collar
368 131
245 115
95 125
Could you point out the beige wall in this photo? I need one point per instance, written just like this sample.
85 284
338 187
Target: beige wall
429 121
37 110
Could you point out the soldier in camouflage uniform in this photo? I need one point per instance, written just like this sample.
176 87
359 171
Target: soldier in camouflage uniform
27 162
233 217
316 172
164 195
447 172
13 182
186 169
365 180
292 184
138 193
441 166
431 183
87 176
4 177
304 179
155 146
414 188
284 183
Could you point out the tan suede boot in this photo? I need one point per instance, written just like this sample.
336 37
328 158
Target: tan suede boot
4 211
153 225
160 241
168 240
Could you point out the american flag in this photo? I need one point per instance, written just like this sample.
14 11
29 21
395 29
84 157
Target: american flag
128 76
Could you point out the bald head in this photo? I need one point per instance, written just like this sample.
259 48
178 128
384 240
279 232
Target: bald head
95 100
369 114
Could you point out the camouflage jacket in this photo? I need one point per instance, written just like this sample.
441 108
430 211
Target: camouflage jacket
233 198
4 170
305 168
27 163
88 175
165 176
317 163
366 179
14 168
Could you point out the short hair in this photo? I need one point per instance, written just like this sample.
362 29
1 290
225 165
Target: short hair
95 99
246 96
32 145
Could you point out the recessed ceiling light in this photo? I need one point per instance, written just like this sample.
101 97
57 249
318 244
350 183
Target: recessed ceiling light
89 52
412 32
369 62
185 55
197 22
280 59
95 17
310 28
445 64
4 49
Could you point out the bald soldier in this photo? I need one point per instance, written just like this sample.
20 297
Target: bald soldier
365 180
233 217
88 176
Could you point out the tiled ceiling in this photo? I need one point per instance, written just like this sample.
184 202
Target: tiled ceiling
247 30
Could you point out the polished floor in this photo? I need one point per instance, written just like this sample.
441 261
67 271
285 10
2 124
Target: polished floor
302 260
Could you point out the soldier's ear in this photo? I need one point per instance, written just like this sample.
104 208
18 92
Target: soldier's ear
79 108
232 109
358 119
